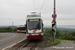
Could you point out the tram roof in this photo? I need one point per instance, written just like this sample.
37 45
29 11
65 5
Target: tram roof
33 15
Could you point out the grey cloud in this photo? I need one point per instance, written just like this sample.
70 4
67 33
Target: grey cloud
17 10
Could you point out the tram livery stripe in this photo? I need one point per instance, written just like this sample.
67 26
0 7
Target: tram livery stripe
34 31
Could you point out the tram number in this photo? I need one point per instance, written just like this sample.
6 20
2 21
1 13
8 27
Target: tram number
34 34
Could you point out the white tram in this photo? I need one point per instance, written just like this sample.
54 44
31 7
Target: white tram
34 26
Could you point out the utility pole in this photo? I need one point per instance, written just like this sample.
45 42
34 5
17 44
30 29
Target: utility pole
12 25
54 23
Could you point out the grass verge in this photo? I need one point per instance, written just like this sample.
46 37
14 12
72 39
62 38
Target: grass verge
57 41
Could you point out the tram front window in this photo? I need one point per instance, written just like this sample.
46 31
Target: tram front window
34 24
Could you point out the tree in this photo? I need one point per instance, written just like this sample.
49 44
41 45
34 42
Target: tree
70 36
49 32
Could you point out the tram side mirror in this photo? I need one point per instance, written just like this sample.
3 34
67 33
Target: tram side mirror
25 25
42 24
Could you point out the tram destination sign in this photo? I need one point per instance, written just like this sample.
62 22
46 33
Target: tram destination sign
34 20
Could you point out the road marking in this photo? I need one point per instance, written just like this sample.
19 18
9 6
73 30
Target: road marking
7 38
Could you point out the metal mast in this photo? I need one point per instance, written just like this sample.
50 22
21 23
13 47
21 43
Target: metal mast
54 23
54 8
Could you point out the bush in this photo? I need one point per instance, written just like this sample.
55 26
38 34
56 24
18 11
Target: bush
73 33
70 36
49 32
7 30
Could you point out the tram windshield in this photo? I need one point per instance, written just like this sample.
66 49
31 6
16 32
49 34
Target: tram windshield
34 24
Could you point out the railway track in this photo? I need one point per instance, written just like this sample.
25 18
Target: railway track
33 45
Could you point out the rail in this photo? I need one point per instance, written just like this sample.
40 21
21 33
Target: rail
31 48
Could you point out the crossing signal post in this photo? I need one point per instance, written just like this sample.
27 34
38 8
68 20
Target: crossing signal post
54 23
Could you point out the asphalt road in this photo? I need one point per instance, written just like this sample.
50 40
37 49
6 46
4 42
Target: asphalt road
8 39
64 45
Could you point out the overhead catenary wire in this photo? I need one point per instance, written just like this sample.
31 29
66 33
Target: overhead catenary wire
40 7
33 5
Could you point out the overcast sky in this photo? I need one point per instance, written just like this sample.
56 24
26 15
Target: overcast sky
17 10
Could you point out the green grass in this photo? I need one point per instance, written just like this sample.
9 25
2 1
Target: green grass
67 40
57 41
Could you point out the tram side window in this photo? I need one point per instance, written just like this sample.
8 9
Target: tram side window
17 28
23 28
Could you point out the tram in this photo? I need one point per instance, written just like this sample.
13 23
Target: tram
21 29
34 26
